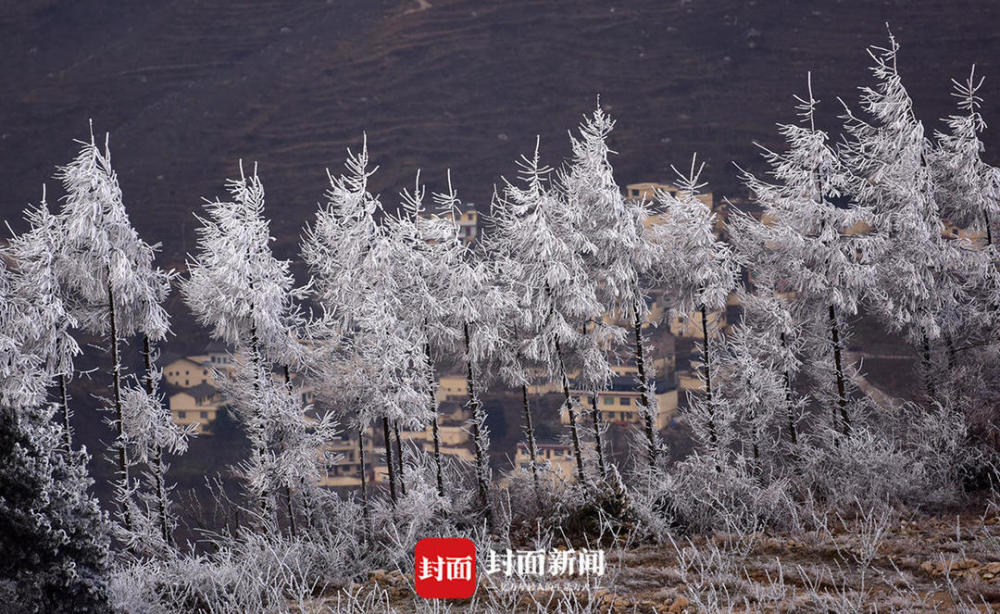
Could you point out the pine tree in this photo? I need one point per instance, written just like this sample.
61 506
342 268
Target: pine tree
106 271
702 272
613 236
351 259
806 244
918 287
248 298
542 236
52 532
36 257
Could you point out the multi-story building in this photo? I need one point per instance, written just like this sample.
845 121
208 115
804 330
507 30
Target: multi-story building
559 456
621 401
467 219
198 405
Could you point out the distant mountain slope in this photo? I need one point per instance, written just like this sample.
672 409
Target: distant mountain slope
188 87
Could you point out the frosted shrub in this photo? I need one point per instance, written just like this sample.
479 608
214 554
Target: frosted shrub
710 493
864 465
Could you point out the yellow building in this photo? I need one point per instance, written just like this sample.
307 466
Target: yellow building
196 405
560 458
199 369
647 190
688 380
452 387
346 470
467 220
620 403
690 325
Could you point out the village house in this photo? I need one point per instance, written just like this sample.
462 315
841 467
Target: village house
559 457
197 405
621 401
467 220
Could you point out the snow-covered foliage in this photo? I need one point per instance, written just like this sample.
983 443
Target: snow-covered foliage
236 286
52 533
249 299
889 223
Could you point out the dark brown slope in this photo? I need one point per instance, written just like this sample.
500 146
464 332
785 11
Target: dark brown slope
189 87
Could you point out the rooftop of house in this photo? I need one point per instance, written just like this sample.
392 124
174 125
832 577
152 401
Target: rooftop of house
200 392
546 446
627 383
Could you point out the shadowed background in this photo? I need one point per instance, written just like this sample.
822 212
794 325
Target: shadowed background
187 88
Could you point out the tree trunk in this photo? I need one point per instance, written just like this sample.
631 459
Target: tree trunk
64 400
572 416
838 366
479 444
788 399
259 449
707 356
390 466
648 411
529 431
116 376
596 419
159 469
364 482
989 231
928 378
435 431
291 510
306 504
596 413
399 459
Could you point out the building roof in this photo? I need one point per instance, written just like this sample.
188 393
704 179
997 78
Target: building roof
546 446
627 383
199 392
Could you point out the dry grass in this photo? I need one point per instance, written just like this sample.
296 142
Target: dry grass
871 560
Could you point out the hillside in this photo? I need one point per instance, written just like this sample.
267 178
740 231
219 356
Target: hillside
188 88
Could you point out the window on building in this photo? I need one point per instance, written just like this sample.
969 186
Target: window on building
187 383
624 401
182 414
608 400
557 452
204 414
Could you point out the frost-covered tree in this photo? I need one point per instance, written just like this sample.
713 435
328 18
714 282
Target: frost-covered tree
35 255
351 259
918 287
447 293
52 532
613 235
106 272
542 234
248 298
701 274
968 189
806 245
151 435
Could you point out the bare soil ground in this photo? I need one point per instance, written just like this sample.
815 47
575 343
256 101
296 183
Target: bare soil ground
871 561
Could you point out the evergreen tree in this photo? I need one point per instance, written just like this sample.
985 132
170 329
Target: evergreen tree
351 258
52 532
542 236
248 298
810 246
918 287
106 271
701 274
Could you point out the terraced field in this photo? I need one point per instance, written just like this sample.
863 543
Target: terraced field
187 88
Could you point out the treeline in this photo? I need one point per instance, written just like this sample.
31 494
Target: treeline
889 220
